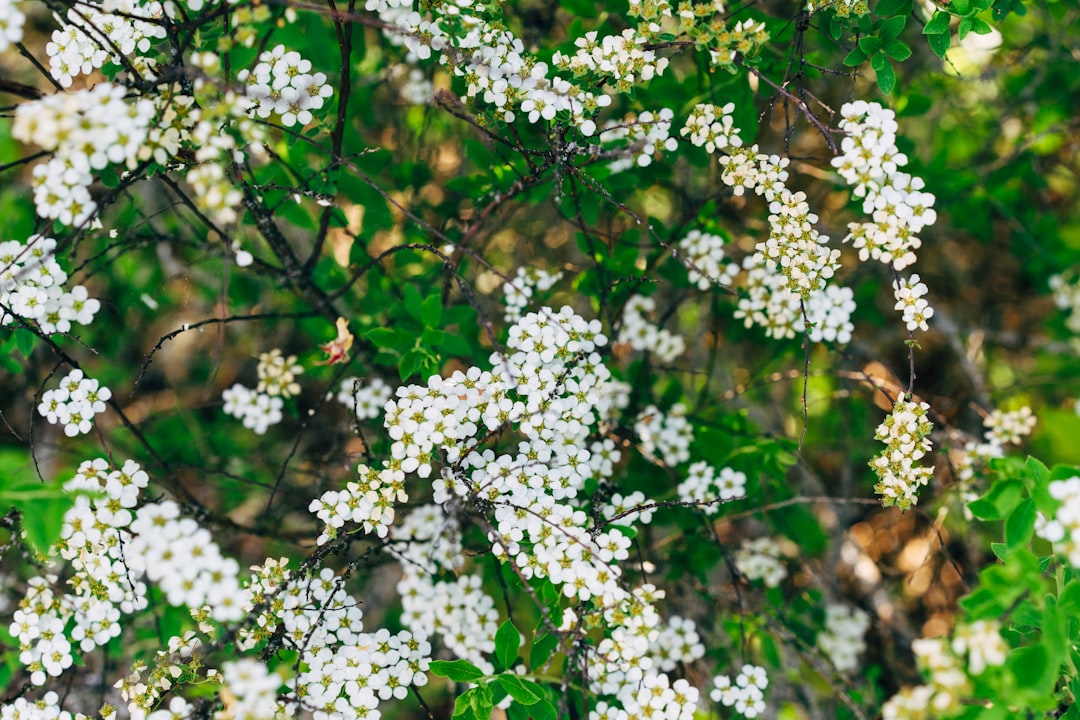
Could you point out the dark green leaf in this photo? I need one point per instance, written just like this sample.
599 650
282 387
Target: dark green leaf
456 670
413 302
541 650
898 50
412 362
544 710
886 8
940 43
890 29
507 641
886 77
855 57
869 45
388 338
24 341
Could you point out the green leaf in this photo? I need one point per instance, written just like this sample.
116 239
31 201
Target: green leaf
42 521
24 341
431 311
389 338
836 29
855 57
886 76
412 362
456 670
885 8
1040 474
961 7
541 650
482 702
507 642
432 338
544 710
938 24
940 44
413 302
523 691
964 27
999 501
898 50
869 45
890 29
980 27
1020 525
463 706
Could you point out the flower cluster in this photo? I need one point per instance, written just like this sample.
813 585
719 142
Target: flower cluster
871 162
626 509
645 336
746 694
1009 428
88 38
102 588
712 127
761 559
1063 530
181 557
677 641
619 59
705 488
904 433
249 690
1066 290
86 131
843 8
262 407
458 611
527 282
256 410
48 708
368 502
75 403
1002 428
703 255
277 374
366 401
665 437
642 137
842 639
11 23
282 84
794 248
909 299
768 303
943 664
428 539
32 288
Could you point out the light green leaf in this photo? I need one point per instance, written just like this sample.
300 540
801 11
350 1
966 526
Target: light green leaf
523 691
938 24
456 670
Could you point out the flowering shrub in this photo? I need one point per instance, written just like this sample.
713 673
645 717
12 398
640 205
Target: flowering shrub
534 360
